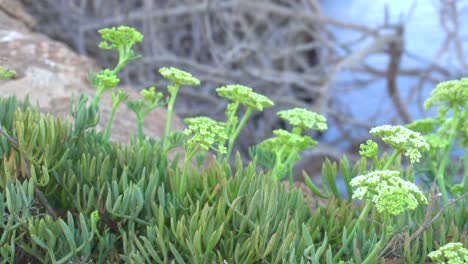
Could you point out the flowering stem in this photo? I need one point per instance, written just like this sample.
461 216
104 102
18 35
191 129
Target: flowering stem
233 137
170 109
289 163
97 97
109 123
445 157
378 247
122 61
141 136
465 177
188 156
392 158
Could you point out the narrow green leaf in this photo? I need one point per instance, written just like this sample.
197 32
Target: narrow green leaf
312 186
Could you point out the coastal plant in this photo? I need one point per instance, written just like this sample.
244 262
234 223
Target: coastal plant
150 100
286 146
203 134
122 40
69 195
446 130
239 95
391 196
178 78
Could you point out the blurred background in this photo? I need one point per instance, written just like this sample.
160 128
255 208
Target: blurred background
361 63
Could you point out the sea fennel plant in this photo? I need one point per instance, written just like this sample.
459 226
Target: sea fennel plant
286 146
67 194
121 39
240 95
142 107
178 78
390 194
449 97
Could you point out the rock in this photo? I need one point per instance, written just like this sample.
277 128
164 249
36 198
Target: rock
50 73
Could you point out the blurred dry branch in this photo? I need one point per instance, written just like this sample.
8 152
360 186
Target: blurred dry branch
285 49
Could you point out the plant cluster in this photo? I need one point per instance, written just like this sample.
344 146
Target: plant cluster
67 194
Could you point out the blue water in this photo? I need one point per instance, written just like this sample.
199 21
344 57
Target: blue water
423 37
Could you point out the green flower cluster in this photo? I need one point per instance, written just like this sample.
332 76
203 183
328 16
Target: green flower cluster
179 77
115 38
452 253
289 141
304 119
107 79
410 143
246 96
449 94
240 94
286 146
391 194
205 132
369 150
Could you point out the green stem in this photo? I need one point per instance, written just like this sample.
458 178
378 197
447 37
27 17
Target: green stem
141 136
188 156
445 157
122 61
275 172
465 167
392 158
371 258
109 123
289 164
97 97
236 133
170 109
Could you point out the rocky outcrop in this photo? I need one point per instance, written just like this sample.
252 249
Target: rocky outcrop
50 73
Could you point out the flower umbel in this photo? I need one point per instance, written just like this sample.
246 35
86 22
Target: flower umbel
206 132
179 77
449 94
240 94
304 119
452 253
410 143
369 150
390 193
115 38
203 134
107 79
290 141
245 96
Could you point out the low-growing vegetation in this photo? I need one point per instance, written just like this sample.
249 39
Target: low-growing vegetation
69 195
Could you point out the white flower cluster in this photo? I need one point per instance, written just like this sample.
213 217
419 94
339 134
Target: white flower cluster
403 139
390 193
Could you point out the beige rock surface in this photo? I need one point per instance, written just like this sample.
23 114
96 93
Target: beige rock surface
51 73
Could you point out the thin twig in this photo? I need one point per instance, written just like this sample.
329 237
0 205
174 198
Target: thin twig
429 222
